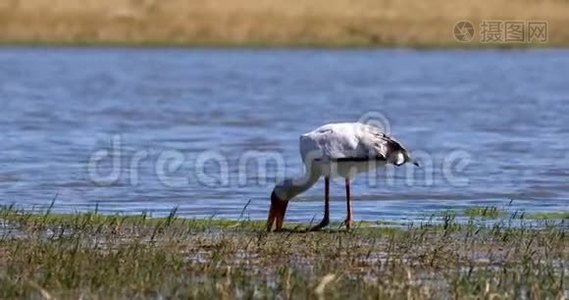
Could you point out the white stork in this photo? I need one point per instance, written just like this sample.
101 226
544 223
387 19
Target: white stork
338 149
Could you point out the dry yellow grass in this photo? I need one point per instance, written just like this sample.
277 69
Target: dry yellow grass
266 22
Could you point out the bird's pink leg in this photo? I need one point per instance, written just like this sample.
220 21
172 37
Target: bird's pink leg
326 220
349 218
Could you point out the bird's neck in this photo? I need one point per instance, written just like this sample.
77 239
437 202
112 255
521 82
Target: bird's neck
294 186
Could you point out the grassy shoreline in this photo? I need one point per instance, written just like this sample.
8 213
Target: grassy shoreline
270 23
93 256
269 45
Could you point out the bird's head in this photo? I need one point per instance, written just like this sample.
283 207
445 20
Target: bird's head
401 157
277 210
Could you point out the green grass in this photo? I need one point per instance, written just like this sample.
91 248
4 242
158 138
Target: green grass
94 256
91 220
548 216
493 212
485 212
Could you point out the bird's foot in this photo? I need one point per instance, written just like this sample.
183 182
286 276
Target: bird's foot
321 225
348 223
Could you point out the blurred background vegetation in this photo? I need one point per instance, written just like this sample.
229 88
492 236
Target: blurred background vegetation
334 23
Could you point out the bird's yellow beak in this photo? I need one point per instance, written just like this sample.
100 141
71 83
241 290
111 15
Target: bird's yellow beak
276 213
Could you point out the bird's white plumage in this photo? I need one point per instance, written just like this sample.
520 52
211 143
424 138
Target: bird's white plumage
344 140
351 145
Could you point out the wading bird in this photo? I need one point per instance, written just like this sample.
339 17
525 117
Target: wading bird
335 150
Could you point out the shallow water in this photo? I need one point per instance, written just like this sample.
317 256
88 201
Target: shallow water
105 128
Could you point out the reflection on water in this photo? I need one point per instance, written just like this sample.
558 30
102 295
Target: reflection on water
506 109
